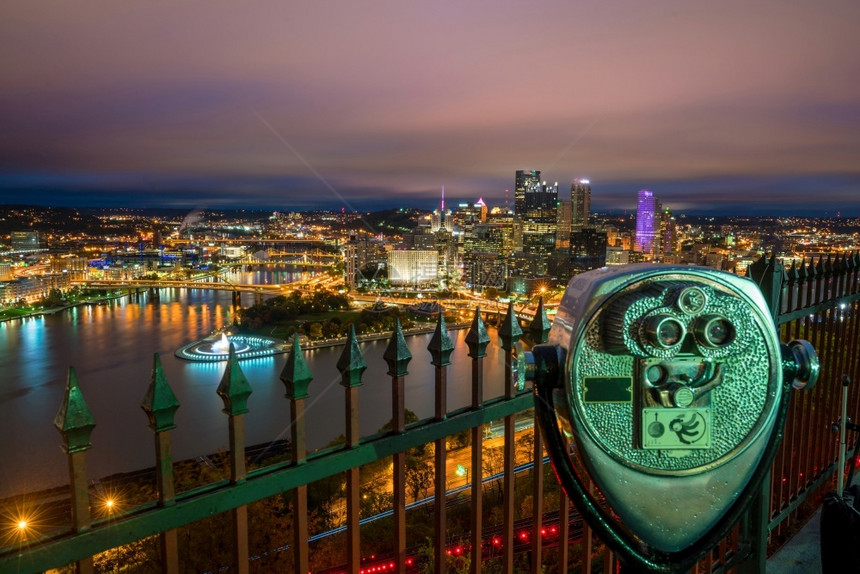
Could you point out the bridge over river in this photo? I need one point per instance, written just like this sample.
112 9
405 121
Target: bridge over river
467 305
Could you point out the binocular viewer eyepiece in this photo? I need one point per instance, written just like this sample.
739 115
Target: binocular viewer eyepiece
666 387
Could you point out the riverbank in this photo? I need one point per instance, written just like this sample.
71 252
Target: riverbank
308 345
12 314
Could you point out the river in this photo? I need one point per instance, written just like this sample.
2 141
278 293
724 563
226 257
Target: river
111 347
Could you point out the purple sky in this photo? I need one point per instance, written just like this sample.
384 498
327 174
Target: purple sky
728 107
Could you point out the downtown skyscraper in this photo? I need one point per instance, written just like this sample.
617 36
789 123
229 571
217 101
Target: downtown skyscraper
647 223
526 182
580 203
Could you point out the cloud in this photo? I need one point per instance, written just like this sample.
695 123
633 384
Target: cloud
402 98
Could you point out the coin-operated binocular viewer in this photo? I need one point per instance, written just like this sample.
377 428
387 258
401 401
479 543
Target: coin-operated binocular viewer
667 387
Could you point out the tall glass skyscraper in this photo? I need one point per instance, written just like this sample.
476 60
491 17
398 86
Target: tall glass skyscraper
527 181
647 222
580 203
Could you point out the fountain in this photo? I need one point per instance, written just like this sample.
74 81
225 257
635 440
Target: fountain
222 345
217 348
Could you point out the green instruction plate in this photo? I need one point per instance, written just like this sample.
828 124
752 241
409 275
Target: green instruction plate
674 429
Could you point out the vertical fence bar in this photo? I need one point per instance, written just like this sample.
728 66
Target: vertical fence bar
440 348
510 332
76 423
769 274
587 539
351 366
564 531
477 339
539 332
296 377
234 391
160 404
827 413
397 356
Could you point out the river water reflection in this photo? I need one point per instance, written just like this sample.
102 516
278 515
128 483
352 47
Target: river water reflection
111 347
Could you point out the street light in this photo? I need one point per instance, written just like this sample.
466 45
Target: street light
463 471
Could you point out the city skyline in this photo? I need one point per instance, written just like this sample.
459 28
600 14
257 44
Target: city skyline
720 109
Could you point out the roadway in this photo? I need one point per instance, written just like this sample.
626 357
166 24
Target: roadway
466 304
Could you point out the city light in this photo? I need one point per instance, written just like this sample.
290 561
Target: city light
21 524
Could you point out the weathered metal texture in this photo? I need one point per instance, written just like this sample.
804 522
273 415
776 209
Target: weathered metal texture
76 423
351 363
80 503
564 533
540 325
440 348
160 404
234 389
397 354
398 480
510 331
509 458
220 497
169 542
440 345
74 420
477 338
537 501
351 369
296 375
353 541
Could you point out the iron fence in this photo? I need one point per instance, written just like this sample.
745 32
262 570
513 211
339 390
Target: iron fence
818 301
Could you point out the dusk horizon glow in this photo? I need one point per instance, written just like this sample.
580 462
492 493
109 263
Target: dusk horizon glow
729 108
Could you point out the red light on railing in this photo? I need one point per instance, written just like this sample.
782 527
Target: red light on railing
391 565
458 550
553 529
524 535
543 531
409 561
497 541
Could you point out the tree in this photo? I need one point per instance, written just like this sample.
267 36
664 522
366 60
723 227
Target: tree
419 477
373 501
456 564
54 298
526 445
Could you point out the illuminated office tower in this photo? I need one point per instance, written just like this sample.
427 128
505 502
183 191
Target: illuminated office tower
668 233
647 223
413 268
580 203
562 234
527 181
